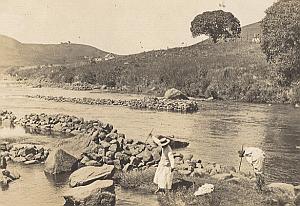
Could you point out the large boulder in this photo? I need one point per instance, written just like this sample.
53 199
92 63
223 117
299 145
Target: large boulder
60 161
89 174
100 192
175 94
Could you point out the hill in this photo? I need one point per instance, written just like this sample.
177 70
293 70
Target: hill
234 70
15 53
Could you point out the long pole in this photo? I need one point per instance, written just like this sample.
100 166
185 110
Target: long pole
149 135
241 159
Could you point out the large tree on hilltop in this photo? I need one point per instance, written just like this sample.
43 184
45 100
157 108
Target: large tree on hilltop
281 38
216 24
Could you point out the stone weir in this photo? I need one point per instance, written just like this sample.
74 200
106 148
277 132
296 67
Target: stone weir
150 103
106 145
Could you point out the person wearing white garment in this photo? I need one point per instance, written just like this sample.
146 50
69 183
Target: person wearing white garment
163 176
255 157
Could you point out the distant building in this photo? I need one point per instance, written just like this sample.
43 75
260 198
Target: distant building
109 57
256 39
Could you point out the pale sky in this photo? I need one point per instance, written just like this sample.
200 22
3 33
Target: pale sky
118 26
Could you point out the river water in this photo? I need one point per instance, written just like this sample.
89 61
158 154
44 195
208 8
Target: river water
215 133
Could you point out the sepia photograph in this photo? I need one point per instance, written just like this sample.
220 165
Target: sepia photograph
149 103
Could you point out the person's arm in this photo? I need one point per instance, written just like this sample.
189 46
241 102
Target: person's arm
171 158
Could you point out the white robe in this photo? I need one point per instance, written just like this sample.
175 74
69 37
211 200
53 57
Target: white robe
255 157
163 176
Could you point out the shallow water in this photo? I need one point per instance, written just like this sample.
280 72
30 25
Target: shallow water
215 133
36 189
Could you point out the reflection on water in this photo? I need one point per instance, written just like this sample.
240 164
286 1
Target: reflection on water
215 133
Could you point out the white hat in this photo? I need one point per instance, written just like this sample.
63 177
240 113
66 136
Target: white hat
161 140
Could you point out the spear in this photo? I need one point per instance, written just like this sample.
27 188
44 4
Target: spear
241 159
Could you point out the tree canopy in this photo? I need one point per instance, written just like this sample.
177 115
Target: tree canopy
281 37
216 24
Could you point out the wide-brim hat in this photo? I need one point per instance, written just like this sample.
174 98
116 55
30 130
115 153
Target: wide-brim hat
161 141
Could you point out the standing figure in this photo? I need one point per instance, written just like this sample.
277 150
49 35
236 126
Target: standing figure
163 175
3 163
255 157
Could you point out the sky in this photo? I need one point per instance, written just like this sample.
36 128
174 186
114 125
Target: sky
117 26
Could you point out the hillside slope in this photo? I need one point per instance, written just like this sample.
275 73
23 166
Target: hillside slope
234 70
15 53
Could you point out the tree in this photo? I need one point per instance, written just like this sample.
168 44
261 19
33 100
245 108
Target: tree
216 24
281 38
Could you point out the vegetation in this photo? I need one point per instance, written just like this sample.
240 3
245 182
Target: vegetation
216 24
281 42
225 193
235 70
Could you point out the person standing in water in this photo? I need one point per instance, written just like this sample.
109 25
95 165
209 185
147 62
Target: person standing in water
255 157
163 176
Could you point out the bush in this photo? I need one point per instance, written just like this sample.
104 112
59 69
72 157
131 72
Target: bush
281 42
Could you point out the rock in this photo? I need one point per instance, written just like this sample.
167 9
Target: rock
188 157
205 189
221 177
93 163
234 180
14 175
199 172
30 162
283 192
175 94
19 159
89 174
156 154
113 148
147 156
30 149
84 160
100 192
105 144
297 200
178 144
60 161
184 172
128 167
297 189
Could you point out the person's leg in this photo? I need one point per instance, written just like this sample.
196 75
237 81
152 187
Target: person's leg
260 182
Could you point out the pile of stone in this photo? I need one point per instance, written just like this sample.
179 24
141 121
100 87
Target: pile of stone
124 153
61 124
150 103
23 153
7 118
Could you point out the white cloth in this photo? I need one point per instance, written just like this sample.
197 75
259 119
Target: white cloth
205 189
255 157
163 176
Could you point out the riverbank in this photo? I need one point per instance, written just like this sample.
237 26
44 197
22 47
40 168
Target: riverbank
240 74
237 190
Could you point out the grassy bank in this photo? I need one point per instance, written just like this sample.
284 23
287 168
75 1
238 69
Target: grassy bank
226 192
228 70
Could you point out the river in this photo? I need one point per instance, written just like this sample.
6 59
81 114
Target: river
215 133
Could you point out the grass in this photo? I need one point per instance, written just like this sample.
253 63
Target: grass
225 193
227 70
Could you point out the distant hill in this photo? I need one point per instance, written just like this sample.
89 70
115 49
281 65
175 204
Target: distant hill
233 70
15 53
